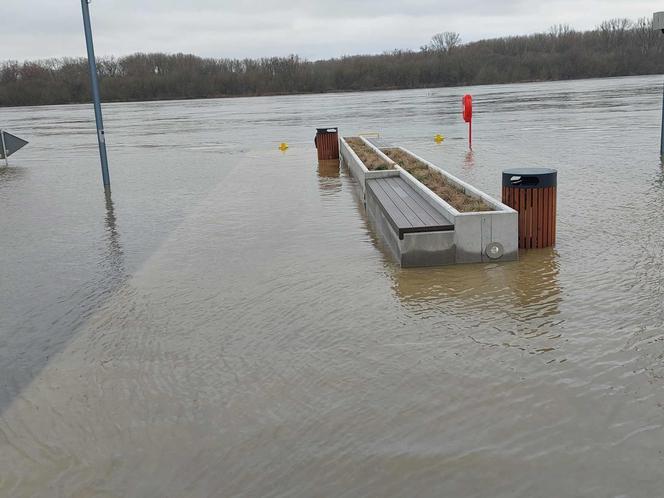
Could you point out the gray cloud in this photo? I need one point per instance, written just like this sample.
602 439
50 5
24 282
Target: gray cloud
311 28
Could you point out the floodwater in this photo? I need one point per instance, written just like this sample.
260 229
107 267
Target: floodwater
227 324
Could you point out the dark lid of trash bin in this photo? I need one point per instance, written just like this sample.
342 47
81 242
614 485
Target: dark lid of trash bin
530 178
331 129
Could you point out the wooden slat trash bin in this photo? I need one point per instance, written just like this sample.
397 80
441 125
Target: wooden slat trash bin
327 143
532 193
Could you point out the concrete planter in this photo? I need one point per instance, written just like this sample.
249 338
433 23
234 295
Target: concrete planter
414 249
476 234
359 170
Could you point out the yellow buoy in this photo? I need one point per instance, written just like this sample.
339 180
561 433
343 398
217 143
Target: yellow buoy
283 147
438 138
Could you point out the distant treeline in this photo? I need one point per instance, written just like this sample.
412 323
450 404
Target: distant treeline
617 47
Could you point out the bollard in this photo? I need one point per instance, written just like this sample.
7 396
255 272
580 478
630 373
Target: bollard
532 193
327 143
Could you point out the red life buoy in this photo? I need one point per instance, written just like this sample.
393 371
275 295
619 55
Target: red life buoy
467 102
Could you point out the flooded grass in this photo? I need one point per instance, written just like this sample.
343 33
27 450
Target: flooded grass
446 190
367 155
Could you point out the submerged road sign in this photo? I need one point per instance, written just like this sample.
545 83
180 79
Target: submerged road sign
10 144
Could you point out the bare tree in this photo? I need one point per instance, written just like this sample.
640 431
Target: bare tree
444 42
560 30
646 36
613 31
617 47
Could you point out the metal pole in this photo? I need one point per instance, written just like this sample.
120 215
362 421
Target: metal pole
470 135
661 143
4 147
96 98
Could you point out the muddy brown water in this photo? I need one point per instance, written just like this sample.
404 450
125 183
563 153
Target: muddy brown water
226 323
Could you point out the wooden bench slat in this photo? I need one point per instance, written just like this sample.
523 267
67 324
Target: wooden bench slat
394 214
426 211
405 208
409 210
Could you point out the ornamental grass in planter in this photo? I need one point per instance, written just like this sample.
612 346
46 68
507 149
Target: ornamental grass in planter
367 155
438 183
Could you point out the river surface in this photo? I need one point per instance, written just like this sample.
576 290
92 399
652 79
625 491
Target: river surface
226 323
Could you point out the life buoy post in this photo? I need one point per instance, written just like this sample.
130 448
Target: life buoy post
467 104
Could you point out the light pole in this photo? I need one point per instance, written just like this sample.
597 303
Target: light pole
658 24
96 98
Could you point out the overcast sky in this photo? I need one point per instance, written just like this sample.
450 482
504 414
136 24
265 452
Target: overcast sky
311 28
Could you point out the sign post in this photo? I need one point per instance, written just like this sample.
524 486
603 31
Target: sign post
658 24
96 97
9 144
4 148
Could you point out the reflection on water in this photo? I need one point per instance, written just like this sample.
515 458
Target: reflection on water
526 292
329 174
531 281
11 173
114 259
328 168
469 161
659 179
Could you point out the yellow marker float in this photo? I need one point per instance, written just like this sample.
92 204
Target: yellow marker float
283 147
439 139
